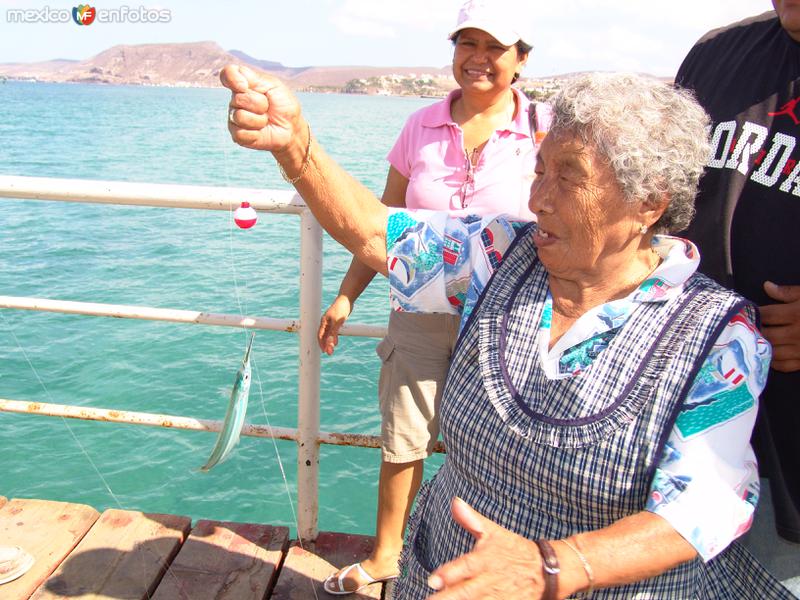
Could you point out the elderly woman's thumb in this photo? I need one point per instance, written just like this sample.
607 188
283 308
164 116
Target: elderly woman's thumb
233 78
469 518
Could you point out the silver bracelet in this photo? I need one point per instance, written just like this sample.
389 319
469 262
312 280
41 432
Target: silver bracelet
586 567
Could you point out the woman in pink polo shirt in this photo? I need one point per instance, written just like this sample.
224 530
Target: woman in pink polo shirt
471 153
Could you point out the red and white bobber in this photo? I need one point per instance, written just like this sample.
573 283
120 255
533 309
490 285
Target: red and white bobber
245 216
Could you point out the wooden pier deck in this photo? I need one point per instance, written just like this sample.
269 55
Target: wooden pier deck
129 555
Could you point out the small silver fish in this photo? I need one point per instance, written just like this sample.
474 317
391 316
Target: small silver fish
234 417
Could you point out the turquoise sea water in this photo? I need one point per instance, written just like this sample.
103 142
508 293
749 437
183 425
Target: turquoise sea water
181 259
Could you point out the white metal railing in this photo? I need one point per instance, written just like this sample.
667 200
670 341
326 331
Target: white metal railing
307 435
147 313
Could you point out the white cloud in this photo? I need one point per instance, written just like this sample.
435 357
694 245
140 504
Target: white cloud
574 35
694 14
352 25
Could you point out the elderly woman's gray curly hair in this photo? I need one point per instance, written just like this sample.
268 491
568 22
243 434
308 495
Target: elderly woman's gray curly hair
654 136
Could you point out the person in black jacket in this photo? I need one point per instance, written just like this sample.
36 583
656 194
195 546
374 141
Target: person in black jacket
747 76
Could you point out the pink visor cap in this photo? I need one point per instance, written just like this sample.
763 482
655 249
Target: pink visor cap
502 19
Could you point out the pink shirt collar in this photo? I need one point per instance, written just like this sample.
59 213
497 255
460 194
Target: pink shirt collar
440 116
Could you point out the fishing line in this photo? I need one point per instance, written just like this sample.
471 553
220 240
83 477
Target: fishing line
257 376
283 474
63 419
242 311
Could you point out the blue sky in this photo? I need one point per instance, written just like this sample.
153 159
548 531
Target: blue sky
569 35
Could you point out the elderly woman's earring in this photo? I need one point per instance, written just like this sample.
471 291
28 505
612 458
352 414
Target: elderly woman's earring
643 229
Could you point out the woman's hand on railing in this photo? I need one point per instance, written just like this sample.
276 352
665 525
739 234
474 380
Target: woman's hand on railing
331 322
263 114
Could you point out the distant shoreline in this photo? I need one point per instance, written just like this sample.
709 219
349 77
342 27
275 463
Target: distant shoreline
207 87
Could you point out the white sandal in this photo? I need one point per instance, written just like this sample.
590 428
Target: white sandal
335 585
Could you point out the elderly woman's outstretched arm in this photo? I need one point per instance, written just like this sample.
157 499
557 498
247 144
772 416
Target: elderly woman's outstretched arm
265 115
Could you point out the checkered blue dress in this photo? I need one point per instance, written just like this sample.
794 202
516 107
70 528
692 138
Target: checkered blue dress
550 458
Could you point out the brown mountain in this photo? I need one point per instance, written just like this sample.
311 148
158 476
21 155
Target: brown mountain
194 64
190 64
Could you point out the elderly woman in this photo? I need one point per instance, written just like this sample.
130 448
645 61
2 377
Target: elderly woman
470 153
601 395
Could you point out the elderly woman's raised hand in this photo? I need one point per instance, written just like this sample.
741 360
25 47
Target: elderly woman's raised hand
501 565
263 114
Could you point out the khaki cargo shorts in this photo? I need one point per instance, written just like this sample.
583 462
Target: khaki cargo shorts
416 356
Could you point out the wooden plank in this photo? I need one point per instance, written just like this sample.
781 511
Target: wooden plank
306 568
226 561
48 531
123 557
